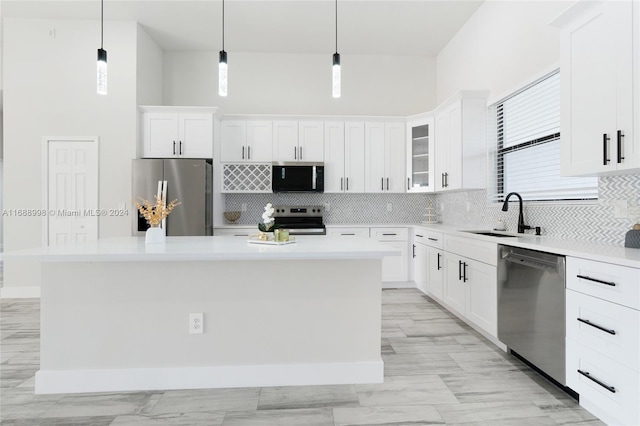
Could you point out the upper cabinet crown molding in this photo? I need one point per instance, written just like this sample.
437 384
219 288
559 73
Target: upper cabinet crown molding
182 110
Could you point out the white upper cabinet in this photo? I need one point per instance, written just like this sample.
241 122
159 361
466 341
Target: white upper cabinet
298 141
420 154
170 133
460 142
343 157
244 141
600 87
384 157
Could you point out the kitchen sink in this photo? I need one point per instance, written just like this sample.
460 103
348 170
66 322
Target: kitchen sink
491 234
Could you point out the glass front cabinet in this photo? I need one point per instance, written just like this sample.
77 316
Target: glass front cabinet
420 153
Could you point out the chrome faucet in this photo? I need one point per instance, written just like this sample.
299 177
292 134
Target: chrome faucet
505 207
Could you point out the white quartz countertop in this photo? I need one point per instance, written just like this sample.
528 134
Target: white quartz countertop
134 249
600 252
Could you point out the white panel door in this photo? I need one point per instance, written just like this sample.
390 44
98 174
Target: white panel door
394 157
334 157
260 141
233 141
311 141
454 294
482 295
285 141
374 136
354 157
161 138
72 191
195 135
435 273
441 149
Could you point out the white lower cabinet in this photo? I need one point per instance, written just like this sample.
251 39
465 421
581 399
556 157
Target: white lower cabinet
394 268
470 284
603 339
235 232
435 273
348 232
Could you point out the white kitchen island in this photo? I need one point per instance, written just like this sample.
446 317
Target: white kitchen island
115 313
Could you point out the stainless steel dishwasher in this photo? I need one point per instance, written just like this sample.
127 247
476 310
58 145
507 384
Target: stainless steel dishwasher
531 307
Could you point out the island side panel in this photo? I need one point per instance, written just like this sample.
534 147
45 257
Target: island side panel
124 318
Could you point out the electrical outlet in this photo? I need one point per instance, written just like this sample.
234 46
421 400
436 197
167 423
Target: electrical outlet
243 207
389 207
620 208
196 323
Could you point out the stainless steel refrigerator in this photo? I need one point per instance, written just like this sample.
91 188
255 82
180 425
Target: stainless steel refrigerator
189 181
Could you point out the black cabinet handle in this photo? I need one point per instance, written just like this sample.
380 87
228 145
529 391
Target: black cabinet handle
414 251
599 327
408 184
604 385
249 153
295 153
432 239
459 270
605 141
301 153
347 234
387 184
446 180
389 234
584 277
243 152
174 147
382 183
418 235
347 184
438 262
464 272
442 180
180 148
620 136
341 182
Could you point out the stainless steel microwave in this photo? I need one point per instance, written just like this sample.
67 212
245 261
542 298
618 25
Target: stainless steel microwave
297 177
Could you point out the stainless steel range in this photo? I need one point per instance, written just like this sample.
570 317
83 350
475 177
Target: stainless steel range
300 220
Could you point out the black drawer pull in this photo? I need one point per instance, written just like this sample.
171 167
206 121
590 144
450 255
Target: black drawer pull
620 136
432 239
418 235
459 270
464 272
599 327
605 141
588 376
389 234
439 261
347 234
414 251
584 277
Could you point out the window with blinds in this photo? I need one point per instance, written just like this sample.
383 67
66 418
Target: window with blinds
526 128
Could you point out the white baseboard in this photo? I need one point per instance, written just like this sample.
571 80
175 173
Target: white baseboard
20 292
145 379
399 284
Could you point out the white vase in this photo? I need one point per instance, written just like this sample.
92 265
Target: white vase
155 235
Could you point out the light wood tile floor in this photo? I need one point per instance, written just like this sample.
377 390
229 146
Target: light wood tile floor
437 371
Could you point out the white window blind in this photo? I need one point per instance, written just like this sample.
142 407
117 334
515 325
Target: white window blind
526 131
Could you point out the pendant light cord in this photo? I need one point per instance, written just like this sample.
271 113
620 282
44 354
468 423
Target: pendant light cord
223 25
336 26
101 23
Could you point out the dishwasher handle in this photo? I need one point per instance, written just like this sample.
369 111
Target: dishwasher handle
540 264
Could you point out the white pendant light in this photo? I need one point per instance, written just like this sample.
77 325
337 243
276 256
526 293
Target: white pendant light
336 64
102 56
222 64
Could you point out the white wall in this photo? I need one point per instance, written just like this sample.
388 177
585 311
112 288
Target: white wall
301 83
50 90
503 45
148 70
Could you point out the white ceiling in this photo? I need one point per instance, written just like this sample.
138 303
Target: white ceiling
387 27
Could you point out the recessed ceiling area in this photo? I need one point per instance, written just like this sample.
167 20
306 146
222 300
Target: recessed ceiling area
384 27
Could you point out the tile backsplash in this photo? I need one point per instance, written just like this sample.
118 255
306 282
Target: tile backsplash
592 221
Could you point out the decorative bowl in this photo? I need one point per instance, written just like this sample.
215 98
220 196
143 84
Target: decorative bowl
232 216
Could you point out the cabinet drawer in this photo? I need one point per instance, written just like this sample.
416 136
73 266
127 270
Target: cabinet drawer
605 327
390 234
348 232
235 232
616 406
619 284
427 237
483 251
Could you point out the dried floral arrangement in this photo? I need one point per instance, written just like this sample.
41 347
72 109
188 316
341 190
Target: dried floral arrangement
155 213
